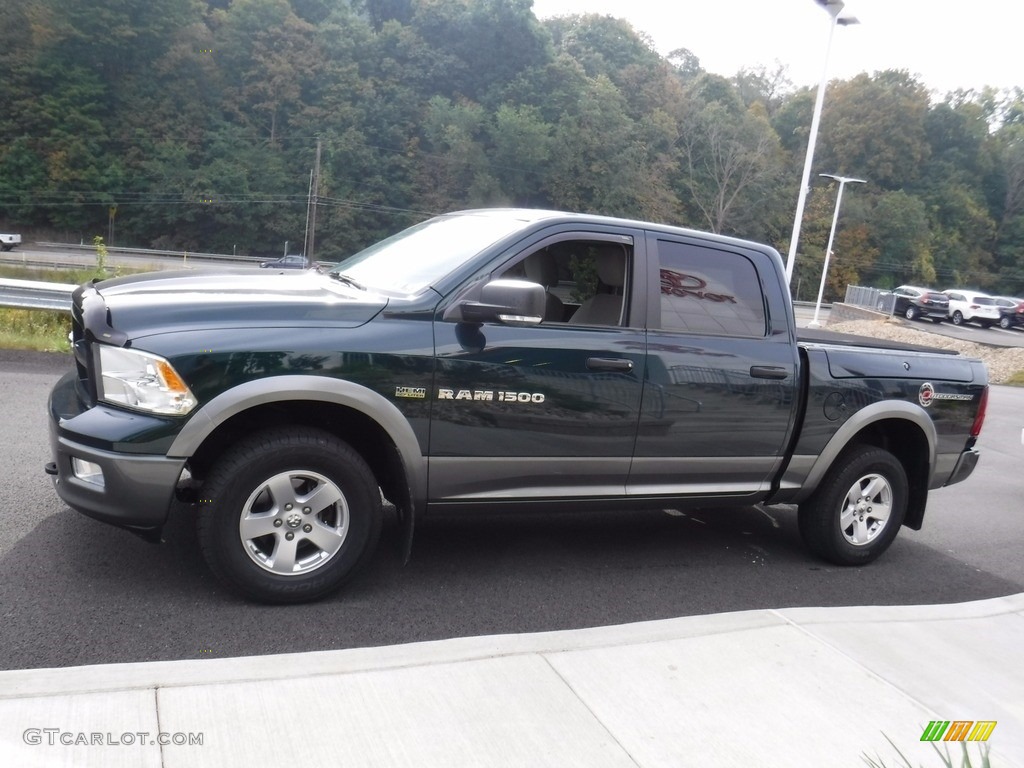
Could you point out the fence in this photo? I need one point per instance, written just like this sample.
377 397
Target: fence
870 298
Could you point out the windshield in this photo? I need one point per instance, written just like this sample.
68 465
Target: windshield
418 257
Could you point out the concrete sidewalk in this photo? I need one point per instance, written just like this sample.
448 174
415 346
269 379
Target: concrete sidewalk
796 687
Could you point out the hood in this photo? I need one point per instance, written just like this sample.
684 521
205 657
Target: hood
173 302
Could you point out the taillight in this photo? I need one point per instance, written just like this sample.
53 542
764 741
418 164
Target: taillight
924 299
979 419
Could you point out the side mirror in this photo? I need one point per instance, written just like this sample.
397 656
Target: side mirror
512 302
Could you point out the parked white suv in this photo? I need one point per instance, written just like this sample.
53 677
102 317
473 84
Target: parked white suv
972 307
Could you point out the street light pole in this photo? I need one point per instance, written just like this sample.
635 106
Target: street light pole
843 181
834 8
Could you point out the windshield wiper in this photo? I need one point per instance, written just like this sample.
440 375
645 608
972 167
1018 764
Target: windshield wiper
347 280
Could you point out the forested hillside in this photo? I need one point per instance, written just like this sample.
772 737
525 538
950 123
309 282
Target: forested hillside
199 121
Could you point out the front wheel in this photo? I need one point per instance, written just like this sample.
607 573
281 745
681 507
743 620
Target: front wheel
958 318
288 515
858 509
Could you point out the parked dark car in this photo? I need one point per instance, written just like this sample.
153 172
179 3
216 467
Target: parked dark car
1011 312
292 261
919 303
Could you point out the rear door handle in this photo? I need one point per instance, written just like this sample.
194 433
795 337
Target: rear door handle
609 364
768 372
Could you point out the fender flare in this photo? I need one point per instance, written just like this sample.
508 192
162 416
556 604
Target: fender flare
880 411
275 389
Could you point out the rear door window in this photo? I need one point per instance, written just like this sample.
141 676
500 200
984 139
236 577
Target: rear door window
709 291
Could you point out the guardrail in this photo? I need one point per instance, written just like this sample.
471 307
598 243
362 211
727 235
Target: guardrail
114 249
30 294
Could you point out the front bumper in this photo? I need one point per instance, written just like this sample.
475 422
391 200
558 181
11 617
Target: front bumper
134 491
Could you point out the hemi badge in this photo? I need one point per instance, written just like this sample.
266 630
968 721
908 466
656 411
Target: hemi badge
414 393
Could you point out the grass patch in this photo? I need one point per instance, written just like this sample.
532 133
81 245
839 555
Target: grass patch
68 276
42 330
1017 380
949 761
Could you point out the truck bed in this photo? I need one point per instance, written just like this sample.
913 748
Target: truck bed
819 336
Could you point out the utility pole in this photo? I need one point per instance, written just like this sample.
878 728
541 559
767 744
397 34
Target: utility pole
309 205
313 200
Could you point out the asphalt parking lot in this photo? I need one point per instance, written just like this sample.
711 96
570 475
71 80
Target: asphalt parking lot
74 591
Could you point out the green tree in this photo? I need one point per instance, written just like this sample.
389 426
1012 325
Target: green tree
729 157
874 127
522 144
901 234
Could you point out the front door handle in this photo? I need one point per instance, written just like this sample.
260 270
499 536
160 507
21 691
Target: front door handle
609 364
768 372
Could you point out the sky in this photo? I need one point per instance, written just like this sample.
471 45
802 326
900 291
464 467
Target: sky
947 44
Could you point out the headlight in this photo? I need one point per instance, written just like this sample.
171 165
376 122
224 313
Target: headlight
143 381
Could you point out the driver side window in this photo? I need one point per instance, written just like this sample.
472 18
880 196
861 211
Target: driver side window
585 281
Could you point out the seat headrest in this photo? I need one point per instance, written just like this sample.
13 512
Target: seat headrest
611 264
541 268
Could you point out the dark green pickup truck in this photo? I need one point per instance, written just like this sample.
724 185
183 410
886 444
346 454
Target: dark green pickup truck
492 358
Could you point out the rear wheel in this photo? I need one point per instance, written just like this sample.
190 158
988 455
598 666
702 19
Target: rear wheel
289 515
1004 322
858 509
911 313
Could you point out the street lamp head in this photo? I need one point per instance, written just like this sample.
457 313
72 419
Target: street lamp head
834 7
843 179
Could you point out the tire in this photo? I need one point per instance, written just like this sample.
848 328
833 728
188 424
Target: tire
958 318
858 509
911 313
261 537
1004 323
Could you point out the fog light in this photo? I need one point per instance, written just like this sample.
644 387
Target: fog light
87 472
